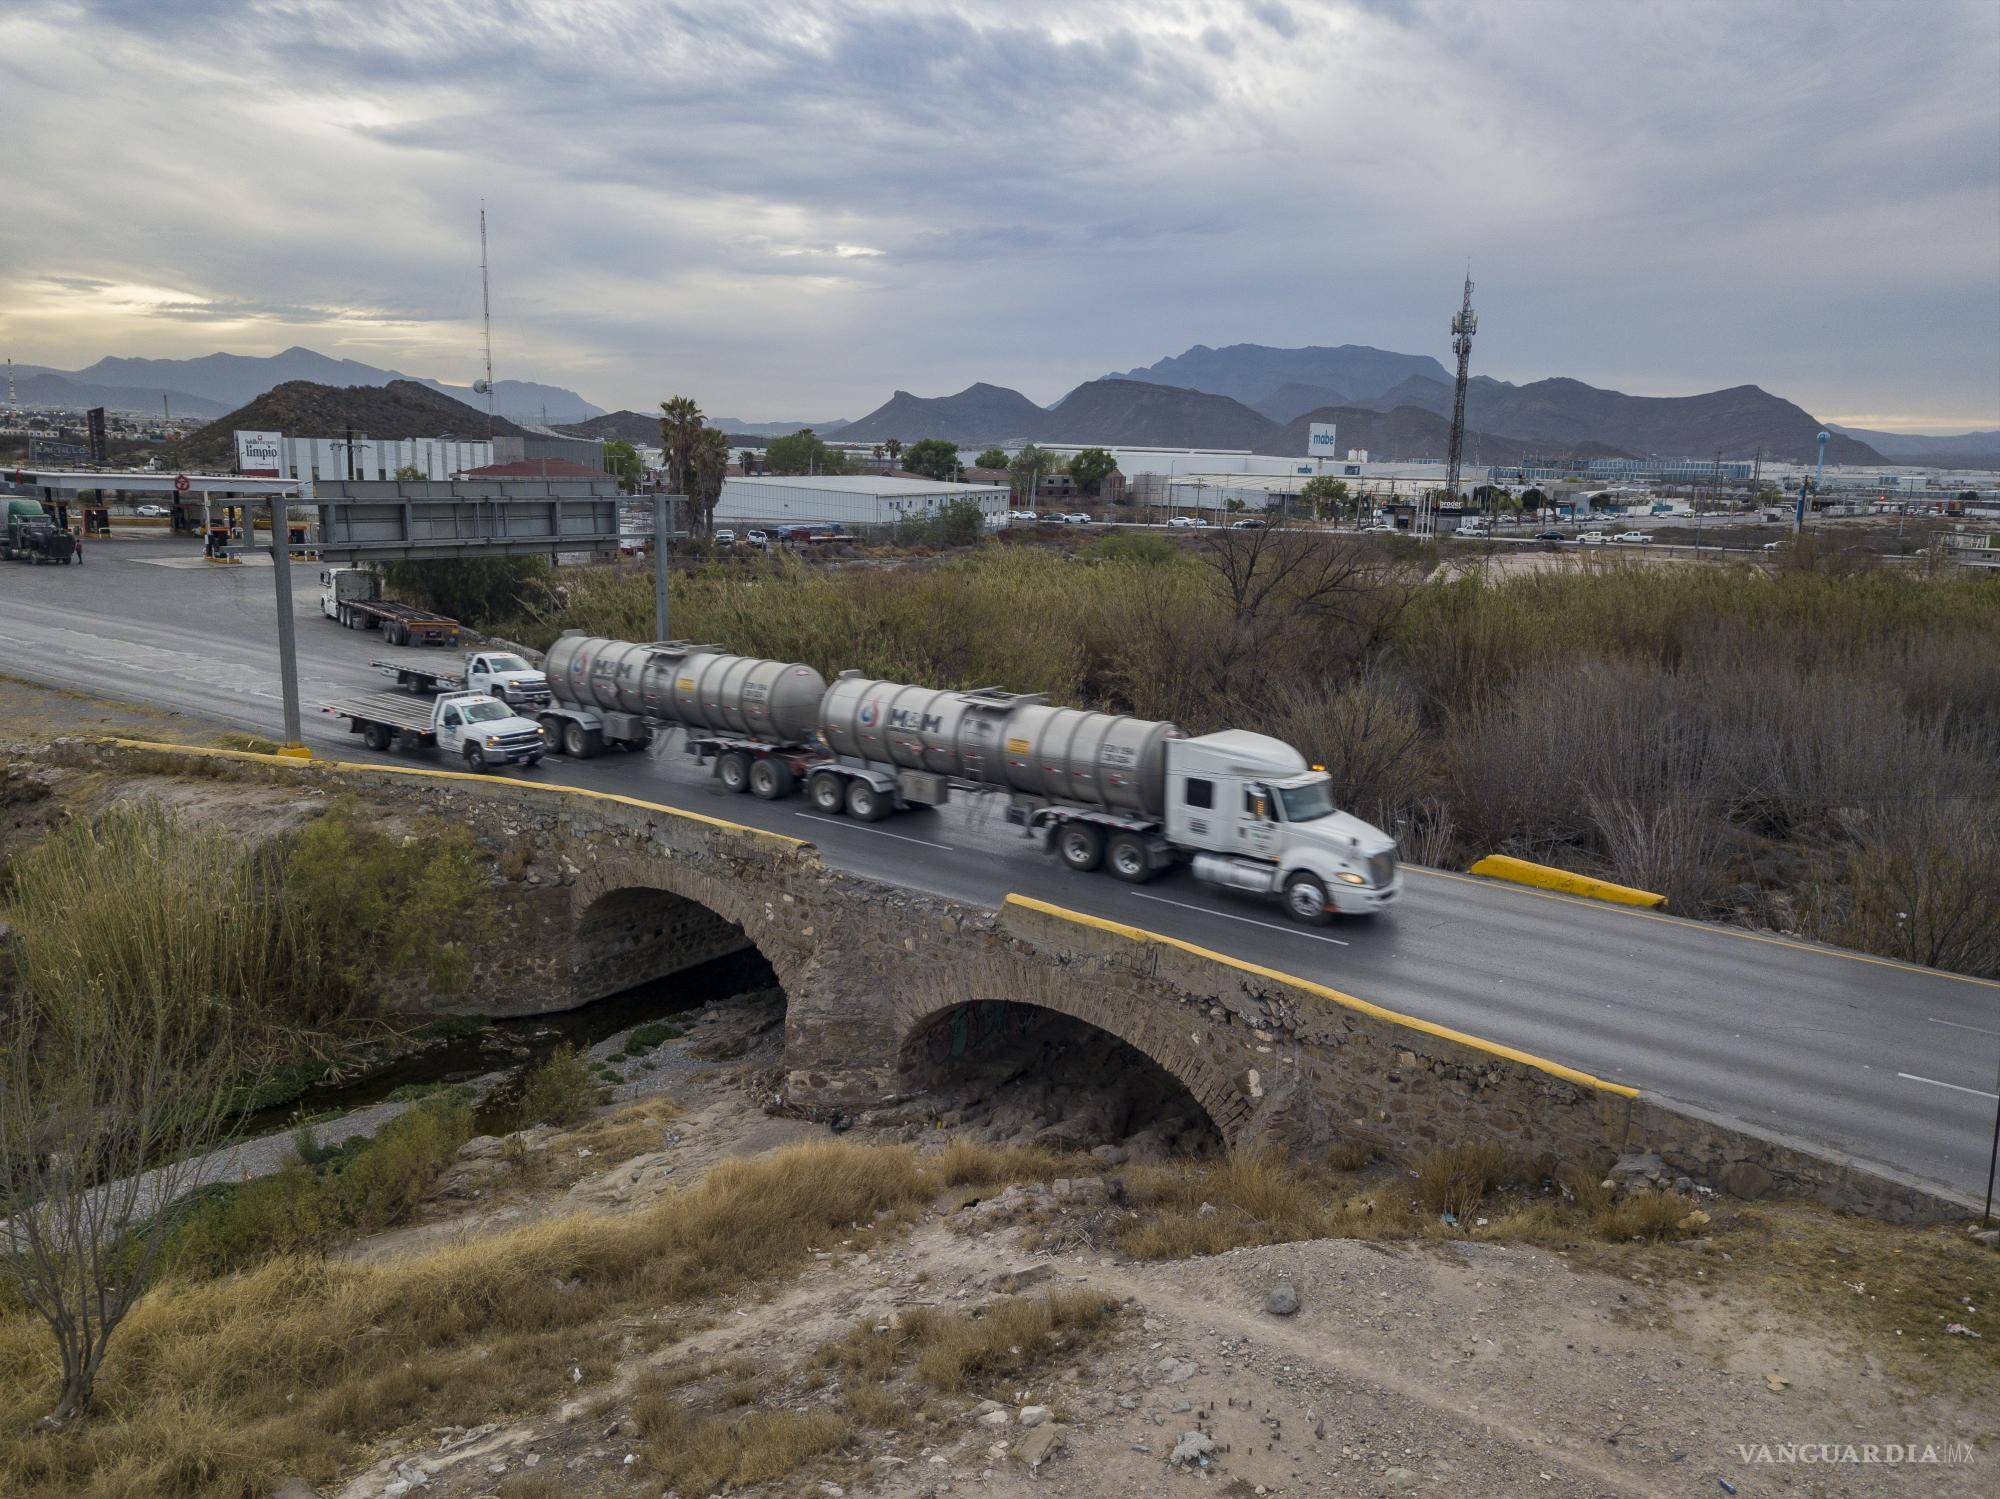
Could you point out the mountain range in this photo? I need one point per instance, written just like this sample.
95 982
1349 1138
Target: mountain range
1964 450
215 384
1287 389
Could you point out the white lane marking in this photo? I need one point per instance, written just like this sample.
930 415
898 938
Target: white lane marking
862 827
1955 1025
1975 1092
1269 926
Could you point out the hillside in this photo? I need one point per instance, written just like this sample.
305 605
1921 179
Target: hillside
1134 413
1411 434
1962 450
978 414
223 381
304 408
1251 373
617 426
35 386
1295 399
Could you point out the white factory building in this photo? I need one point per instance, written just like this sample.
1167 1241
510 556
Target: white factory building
278 456
852 500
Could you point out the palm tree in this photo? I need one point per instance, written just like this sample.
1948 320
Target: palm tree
708 465
680 424
895 447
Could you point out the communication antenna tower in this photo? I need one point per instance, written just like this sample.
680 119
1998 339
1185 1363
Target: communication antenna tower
486 316
1463 326
13 403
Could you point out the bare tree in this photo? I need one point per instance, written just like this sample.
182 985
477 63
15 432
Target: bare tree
109 1112
1296 596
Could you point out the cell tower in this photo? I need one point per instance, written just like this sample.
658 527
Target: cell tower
1463 326
13 404
486 316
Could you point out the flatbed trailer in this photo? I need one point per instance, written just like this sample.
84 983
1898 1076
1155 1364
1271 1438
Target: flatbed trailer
400 624
483 671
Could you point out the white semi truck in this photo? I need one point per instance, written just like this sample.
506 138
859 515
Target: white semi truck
1129 796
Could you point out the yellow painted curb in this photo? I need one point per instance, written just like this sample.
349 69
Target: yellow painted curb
460 775
1546 877
1345 1001
294 752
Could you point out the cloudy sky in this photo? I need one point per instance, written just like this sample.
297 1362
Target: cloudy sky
787 210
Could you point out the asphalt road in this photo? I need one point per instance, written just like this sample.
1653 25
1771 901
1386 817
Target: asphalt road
1892 1065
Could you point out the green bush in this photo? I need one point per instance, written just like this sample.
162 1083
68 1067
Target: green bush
357 1187
475 591
1142 547
561 1091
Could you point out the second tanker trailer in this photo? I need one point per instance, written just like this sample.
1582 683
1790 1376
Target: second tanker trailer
1129 796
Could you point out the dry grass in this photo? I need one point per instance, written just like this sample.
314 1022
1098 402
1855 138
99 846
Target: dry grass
964 1163
212 1390
1455 1179
701 1454
950 1351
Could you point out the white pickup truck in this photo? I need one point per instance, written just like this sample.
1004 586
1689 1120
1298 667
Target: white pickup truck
500 674
470 725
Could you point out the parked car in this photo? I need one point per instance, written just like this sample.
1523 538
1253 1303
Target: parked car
1078 518
758 539
1026 517
1548 536
1378 528
150 510
1184 523
1632 538
725 538
1777 546
1249 523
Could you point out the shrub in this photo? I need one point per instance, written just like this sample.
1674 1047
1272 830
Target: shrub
560 1091
1454 1179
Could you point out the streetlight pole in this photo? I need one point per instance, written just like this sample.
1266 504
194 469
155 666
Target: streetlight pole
660 532
288 661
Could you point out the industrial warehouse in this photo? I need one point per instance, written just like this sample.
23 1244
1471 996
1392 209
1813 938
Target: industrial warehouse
854 500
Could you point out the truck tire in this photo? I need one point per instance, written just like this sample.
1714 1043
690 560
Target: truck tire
377 736
772 780
733 770
827 792
475 759
1126 857
1306 900
1080 845
580 743
865 803
552 732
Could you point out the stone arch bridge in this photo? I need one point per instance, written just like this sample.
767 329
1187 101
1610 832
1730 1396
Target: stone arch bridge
597 893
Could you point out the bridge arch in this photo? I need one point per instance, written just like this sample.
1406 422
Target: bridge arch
635 921
940 1039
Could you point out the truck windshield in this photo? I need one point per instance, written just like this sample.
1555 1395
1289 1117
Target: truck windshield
505 663
1304 803
486 712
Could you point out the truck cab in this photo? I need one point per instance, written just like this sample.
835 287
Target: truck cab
504 675
483 731
345 585
1257 817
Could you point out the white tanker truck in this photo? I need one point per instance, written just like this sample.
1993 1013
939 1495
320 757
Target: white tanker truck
1125 795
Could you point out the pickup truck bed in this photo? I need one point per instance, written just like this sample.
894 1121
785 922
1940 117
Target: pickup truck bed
392 710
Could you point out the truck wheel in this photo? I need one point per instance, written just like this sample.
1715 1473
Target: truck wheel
1125 856
552 732
1081 846
865 803
827 792
771 779
533 761
475 759
733 770
377 736
1306 900
581 743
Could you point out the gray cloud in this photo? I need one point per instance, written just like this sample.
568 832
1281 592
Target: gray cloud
790 208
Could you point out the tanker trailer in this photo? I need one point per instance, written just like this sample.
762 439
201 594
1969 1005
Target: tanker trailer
1126 795
753 718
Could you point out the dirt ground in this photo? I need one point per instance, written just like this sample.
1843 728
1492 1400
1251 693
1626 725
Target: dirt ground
1440 1367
